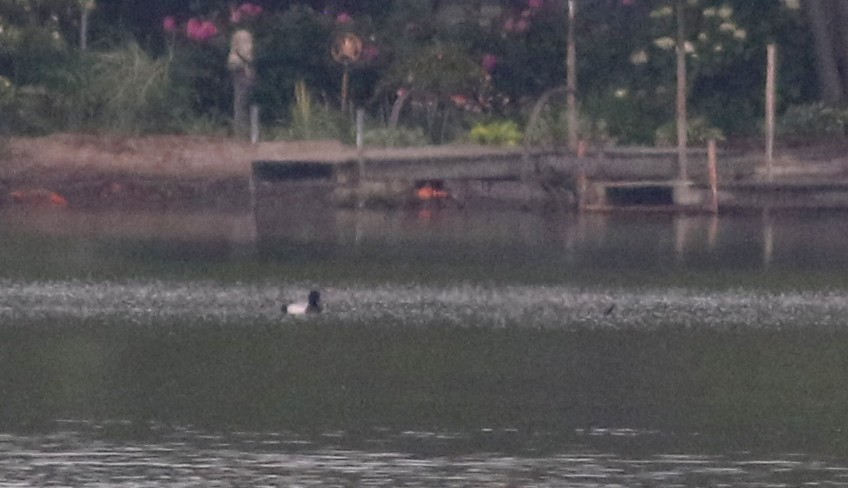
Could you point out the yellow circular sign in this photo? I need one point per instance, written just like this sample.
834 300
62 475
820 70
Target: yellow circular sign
347 48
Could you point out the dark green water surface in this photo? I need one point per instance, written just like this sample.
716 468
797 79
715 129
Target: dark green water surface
455 349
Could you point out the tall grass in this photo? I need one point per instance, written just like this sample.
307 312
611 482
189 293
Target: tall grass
129 91
312 120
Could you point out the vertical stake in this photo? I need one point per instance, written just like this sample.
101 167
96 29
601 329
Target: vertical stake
254 123
771 88
713 174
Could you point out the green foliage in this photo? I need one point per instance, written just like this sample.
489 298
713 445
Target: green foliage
551 128
293 45
436 69
628 119
315 121
399 137
813 120
699 131
496 133
129 91
435 48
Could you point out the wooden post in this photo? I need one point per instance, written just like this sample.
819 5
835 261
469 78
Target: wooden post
345 87
682 123
84 27
713 174
582 188
254 123
771 89
571 81
360 128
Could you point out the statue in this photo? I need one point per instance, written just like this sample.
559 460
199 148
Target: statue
240 65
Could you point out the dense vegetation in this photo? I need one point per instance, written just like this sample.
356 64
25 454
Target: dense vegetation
160 66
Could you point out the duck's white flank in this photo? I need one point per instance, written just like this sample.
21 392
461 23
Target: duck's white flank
312 305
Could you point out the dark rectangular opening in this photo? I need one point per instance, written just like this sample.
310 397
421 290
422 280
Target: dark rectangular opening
292 170
640 196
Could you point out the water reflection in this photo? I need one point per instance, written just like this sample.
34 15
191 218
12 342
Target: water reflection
762 239
457 349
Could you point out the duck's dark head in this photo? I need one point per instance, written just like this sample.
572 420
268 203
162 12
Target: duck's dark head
314 298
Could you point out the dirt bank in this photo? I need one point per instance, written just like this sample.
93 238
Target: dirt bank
80 170
89 170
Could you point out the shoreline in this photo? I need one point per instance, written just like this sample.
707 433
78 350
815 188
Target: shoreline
174 172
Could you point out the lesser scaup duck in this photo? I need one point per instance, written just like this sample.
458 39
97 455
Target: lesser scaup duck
312 305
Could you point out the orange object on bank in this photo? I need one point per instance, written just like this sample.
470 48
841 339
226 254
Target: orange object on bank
39 196
427 192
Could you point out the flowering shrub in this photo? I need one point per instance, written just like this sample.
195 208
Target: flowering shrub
200 30
498 133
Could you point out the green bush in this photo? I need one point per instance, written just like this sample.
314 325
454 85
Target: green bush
400 137
130 92
551 129
497 133
630 119
813 120
698 133
311 120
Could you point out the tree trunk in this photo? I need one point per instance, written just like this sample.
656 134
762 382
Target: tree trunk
840 15
571 73
820 14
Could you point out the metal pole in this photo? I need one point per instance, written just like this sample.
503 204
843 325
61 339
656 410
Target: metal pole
682 123
571 81
345 88
360 128
713 174
771 88
254 123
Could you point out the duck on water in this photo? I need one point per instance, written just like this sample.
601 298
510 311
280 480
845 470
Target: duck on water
312 305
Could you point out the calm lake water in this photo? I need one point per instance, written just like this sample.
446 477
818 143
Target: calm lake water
457 349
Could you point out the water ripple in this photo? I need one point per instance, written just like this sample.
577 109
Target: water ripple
413 304
70 459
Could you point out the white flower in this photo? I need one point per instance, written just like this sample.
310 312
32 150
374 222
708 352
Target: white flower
621 93
662 12
727 27
740 34
703 37
718 48
688 47
639 57
710 12
664 43
725 12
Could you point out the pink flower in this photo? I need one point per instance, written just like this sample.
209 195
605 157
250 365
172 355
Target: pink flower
489 62
509 25
235 15
250 9
344 18
522 25
459 100
370 52
200 30
169 24
534 4
402 91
